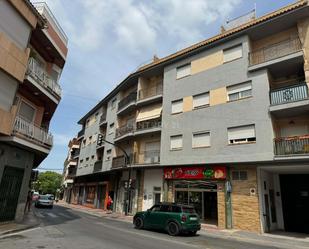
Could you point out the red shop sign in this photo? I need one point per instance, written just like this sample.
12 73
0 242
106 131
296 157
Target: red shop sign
214 173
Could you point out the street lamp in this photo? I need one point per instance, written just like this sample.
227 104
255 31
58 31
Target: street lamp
127 164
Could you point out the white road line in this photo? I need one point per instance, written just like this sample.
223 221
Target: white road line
52 215
24 231
40 215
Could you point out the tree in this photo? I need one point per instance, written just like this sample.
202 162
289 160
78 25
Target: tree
48 182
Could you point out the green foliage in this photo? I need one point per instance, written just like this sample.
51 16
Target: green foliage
48 182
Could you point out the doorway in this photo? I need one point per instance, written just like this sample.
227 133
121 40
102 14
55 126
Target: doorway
101 196
211 207
295 202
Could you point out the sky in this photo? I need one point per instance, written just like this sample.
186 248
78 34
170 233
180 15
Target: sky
109 39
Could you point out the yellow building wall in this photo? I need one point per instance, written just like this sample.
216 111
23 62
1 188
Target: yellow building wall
218 96
207 62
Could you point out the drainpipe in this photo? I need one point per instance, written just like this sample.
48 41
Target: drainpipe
228 201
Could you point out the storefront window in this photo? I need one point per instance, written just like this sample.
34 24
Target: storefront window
90 194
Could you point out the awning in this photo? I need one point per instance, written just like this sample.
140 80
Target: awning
150 112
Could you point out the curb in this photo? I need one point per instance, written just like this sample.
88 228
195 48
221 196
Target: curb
18 230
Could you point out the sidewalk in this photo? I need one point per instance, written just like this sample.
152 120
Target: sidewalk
280 240
29 221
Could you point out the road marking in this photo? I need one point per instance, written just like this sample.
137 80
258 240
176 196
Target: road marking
52 215
39 214
145 235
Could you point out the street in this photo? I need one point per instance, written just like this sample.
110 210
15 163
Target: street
66 228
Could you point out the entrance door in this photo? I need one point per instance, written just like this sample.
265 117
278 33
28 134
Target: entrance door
9 192
81 195
211 207
295 202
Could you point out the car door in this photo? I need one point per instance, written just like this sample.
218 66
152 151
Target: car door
152 217
164 216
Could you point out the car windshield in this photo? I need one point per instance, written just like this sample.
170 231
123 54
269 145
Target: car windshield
188 210
44 197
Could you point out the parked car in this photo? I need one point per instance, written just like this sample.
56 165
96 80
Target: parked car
174 218
44 201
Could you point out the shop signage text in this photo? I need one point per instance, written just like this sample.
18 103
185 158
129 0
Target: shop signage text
214 173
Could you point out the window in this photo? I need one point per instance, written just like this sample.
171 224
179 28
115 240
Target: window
108 154
183 71
84 142
87 122
96 116
81 161
239 175
87 158
200 100
176 142
232 53
165 208
155 208
239 91
177 106
176 209
111 128
90 140
241 134
113 104
26 111
92 157
201 139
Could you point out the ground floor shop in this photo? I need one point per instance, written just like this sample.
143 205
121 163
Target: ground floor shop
284 197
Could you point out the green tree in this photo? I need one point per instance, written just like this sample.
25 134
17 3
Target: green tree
48 182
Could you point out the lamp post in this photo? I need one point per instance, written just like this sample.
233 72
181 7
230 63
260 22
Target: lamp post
127 164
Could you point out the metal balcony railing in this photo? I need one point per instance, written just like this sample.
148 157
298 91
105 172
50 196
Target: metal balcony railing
145 125
125 129
97 166
147 157
291 145
289 94
32 132
275 51
150 92
118 162
37 72
131 98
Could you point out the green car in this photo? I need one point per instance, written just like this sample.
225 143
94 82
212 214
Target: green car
174 218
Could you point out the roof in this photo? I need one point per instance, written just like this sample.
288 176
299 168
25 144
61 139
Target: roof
190 49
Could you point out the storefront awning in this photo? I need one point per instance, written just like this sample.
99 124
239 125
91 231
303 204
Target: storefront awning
150 112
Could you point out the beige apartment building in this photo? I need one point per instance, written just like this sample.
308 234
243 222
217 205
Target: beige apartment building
33 50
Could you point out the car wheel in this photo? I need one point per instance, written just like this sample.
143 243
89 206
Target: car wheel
173 228
138 223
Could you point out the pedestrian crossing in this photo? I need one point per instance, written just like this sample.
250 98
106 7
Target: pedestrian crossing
42 215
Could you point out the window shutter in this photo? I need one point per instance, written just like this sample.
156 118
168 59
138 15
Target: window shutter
26 111
241 132
232 53
176 142
201 139
200 100
239 88
177 106
183 71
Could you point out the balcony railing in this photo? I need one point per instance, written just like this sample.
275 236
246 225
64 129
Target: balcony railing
36 71
289 94
292 145
81 133
150 92
275 51
147 157
97 166
125 129
118 162
145 125
32 132
75 153
72 171
131 98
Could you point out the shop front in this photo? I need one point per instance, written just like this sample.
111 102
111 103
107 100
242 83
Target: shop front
201 187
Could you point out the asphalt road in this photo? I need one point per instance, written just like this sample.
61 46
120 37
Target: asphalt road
70 229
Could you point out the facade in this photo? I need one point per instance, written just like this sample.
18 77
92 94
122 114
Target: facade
33 51
222 125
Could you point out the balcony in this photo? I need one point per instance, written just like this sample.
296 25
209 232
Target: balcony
32 132
75 153
291 146
274 51
150 95
119 162
125 130
147 157
148 126
289 94
97 166
72 172
127 103
40 76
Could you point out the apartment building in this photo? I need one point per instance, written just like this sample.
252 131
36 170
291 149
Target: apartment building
222 125
33 51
